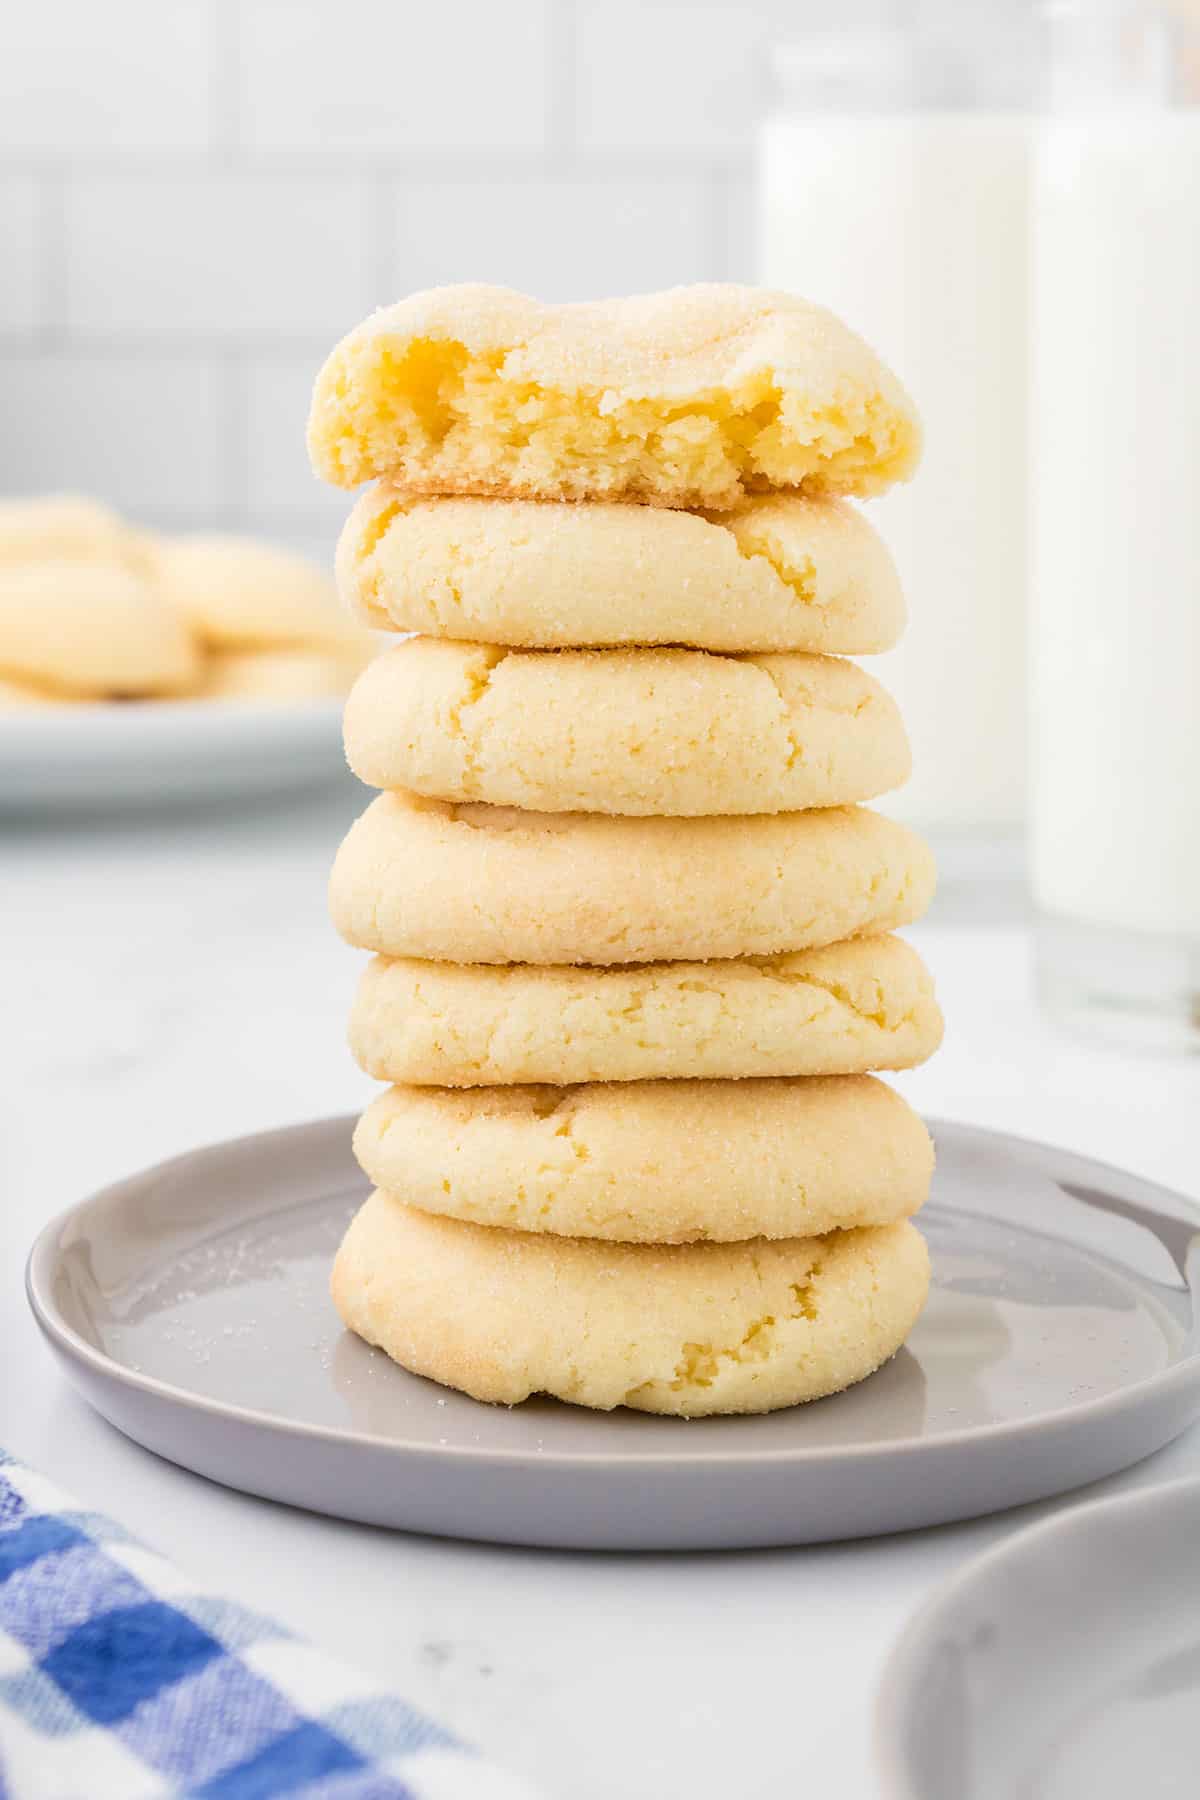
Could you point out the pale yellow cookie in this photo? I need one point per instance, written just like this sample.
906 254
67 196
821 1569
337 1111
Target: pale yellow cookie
91 628
239 594
488 884
659 732
64 528
866 1003
692 397
779 572
688 1329
280 675
654 1162
18 695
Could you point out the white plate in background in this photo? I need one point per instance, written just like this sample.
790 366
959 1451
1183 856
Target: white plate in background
1063 1663
89 757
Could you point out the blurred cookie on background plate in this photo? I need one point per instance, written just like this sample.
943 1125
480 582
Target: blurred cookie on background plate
92 630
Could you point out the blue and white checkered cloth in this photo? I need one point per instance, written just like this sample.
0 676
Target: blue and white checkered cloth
121 1679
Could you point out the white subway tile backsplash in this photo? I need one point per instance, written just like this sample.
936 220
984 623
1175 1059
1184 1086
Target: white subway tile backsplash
142 431
559 239
274 409
673 78
197 197
359 76
22 234
101 75
220 253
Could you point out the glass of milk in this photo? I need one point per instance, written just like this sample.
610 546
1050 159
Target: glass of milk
893 188
1115 464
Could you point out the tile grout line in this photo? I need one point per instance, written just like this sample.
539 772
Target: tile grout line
562 91
383 240
152 346
733 183
51 330
720 223
433 166
224 100
234 432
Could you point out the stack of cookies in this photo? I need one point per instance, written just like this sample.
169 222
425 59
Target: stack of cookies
631 926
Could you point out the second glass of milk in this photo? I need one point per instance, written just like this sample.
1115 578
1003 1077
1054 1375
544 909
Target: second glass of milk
894 189
1115 432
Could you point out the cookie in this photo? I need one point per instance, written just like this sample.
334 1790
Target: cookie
692 397
64 528
18 695
280 674
91 628
779 572
687 1329
659 732
654 1162
488 884
866 1003
239 594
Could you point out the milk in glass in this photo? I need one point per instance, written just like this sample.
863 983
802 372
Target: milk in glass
899 198
1116 524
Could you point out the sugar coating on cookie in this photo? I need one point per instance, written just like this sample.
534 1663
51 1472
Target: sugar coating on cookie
472 883
692 397
280 675
236 594
689 1329
657 732
778 572
91 628
654 1162
64 528
867 1003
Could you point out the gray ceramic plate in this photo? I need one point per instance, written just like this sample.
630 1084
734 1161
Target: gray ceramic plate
1064 1663
1060 1343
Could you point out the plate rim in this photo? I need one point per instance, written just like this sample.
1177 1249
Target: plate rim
902 1669
149 712
1180 1376
74 759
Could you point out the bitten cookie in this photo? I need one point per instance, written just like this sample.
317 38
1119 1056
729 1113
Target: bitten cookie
779 572
658 732
866 1003
238 594
687 1329
654 1162
91 628
488 884
692 397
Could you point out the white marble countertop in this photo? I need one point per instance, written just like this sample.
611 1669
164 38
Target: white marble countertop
167 983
